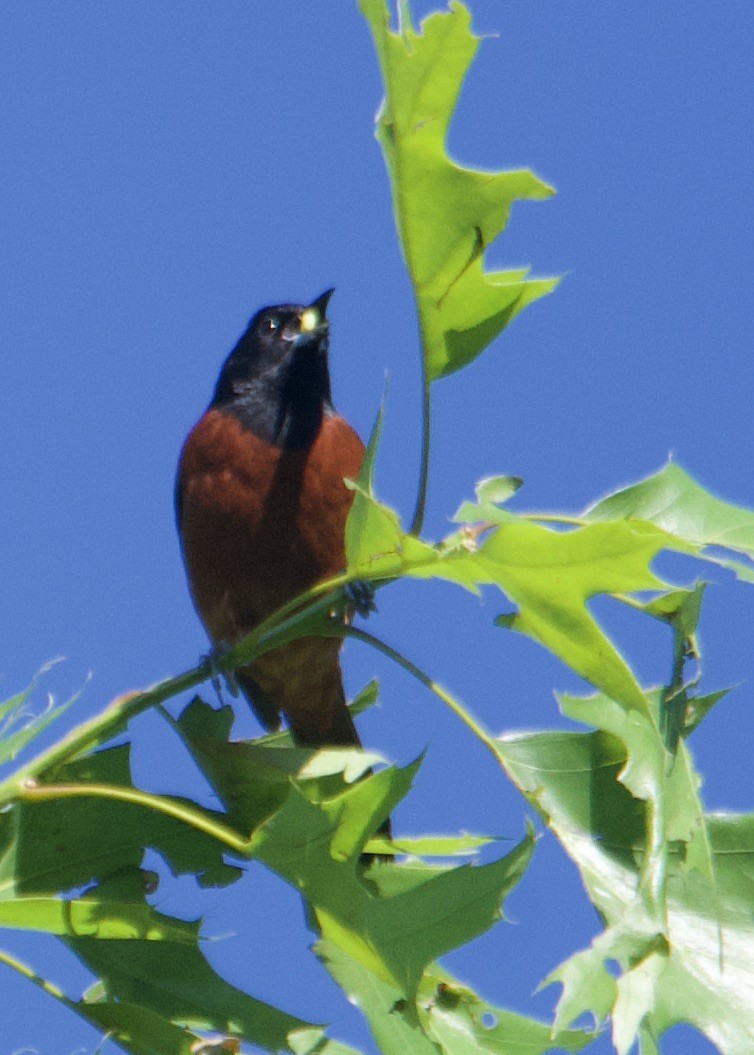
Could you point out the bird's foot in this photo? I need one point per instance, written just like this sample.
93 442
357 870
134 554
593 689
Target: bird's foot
217 676
360 595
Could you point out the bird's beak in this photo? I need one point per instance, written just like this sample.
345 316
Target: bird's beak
314 319
320 304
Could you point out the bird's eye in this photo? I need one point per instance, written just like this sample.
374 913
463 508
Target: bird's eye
271 323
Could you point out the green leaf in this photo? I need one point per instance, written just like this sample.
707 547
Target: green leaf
396 935
491 493
311 827
701 969
365 698
93 917
422 912
176 983
364 527
447 1017
377 547
431 845
253 778
157 980
140 1031
551 576
679 505
48 847
392 1019
698 707
462 1023
446 215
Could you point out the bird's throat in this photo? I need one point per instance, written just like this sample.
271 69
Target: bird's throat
284 408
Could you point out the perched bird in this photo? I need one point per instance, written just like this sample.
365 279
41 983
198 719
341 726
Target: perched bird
261 509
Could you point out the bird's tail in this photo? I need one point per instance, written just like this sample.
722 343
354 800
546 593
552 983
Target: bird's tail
338 730
305 683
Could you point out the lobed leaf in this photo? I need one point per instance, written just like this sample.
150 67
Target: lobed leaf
48 847
92 916
423 910
700 968
176 983
310 827
447 1017
680 506
446 215
154 978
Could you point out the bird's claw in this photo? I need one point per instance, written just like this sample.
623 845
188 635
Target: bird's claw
216 675
361 595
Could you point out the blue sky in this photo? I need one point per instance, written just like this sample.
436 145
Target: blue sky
170 167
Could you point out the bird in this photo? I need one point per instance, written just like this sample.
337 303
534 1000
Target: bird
261 508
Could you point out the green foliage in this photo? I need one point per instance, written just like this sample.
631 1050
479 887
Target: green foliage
698 968
674 501
447 1017
671 883
446 215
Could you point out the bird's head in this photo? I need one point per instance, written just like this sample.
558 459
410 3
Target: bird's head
277 377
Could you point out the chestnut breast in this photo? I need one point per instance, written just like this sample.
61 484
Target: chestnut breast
260 524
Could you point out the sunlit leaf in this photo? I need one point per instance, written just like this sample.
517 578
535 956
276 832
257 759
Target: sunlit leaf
446 215
701 970
432 845
491 493
377 546
92 917
447 1017
679 505
551 576
462 1022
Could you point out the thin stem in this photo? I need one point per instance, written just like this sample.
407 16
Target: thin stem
287 615
115 717
555 518
631 602
194 818
104 726
78 1008
31 976
421 498
447 698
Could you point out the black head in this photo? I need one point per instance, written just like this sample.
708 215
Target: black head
277 380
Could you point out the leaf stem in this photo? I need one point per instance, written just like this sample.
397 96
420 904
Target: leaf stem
179 811
113 720
31 976
285 618
421 497
104 726
555 518
447 698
